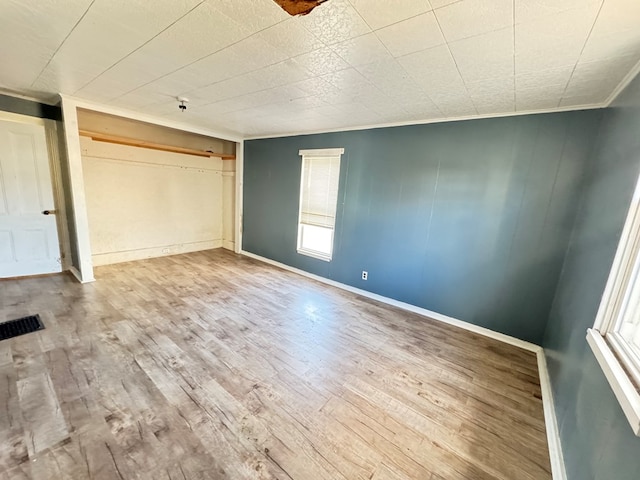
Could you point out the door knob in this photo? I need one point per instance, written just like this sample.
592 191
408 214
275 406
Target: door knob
49 212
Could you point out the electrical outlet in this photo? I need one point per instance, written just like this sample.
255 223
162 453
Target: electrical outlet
365 275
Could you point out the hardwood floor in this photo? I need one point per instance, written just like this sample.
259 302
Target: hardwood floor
214 366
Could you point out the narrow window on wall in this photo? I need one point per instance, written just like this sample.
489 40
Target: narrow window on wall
318 201
615 337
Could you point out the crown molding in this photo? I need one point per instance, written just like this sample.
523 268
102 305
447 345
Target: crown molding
430 121
623 84
239 137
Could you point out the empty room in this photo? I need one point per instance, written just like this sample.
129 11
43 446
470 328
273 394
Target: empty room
320 239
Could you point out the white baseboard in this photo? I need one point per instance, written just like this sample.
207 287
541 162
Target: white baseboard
229 245
558 471
551 424
144 253
405 306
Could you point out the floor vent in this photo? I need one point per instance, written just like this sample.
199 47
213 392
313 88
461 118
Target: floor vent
20 326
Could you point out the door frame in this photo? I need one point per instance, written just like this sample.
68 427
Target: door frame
53 156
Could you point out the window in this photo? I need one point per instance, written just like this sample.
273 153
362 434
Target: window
318 200
615 337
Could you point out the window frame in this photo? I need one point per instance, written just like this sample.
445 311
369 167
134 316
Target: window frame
619 364
319 152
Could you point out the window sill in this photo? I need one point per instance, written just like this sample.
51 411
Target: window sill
623 388
318 255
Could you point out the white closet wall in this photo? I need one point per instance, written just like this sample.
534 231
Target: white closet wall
146 203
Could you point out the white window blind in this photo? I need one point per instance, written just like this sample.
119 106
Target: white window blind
318 200
320 177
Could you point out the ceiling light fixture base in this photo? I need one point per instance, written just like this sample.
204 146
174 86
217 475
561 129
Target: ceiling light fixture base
183 103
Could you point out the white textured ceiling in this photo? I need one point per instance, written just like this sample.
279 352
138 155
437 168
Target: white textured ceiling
250 69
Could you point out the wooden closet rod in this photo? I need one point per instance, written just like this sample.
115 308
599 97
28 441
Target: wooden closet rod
104 137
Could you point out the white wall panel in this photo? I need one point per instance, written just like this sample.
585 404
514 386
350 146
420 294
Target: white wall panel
228 209
144 203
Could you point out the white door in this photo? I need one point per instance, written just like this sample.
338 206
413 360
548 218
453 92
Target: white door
28 237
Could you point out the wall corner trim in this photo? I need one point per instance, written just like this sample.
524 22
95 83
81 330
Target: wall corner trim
558 471
550 420
78 276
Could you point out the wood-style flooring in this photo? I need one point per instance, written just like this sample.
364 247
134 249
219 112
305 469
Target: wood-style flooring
214 366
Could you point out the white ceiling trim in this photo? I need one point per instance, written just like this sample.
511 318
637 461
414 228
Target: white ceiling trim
571 108
110 110
635 71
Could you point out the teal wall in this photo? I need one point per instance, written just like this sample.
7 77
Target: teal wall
597 440
469 219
